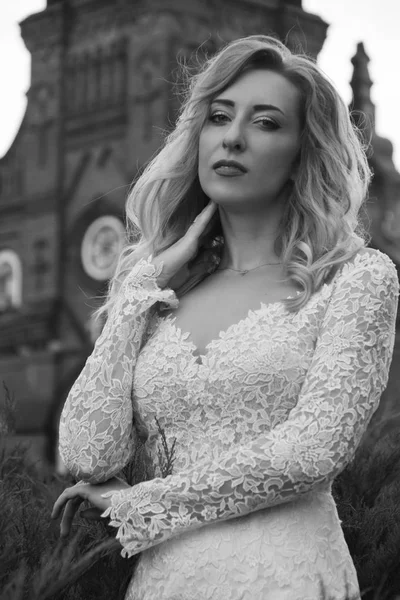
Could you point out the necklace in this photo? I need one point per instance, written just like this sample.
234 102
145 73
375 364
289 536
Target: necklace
247 270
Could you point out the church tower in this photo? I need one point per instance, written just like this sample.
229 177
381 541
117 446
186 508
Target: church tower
382 209
100 98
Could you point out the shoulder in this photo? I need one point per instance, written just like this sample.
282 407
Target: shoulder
369 258
368 269
372 256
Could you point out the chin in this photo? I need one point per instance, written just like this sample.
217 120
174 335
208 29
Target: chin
226 193
229 200
230 197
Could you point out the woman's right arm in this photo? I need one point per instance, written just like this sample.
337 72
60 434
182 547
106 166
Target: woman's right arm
96 435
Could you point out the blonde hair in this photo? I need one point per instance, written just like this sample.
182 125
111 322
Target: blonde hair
319 229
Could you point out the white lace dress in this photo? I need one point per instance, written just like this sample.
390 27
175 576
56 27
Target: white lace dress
263 423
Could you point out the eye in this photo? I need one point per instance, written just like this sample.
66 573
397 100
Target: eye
267 123
218 117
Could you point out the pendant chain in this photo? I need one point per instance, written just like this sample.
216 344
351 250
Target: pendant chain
247 270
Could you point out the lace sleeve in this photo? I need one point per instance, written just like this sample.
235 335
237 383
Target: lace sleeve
96 434
341 391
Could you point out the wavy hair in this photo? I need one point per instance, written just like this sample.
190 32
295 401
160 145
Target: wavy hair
319 229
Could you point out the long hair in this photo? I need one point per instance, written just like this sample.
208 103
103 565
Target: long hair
320 228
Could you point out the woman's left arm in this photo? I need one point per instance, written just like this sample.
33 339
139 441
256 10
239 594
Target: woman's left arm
341 391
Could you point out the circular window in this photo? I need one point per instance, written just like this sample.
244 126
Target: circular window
101 246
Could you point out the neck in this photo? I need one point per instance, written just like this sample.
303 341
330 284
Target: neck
249 239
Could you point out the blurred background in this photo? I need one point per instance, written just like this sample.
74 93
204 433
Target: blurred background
87 93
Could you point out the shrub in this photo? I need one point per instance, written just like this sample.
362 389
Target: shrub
367 495
35 564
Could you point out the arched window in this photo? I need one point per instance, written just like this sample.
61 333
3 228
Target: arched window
10 280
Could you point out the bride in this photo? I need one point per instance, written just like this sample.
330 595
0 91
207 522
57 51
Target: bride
254 325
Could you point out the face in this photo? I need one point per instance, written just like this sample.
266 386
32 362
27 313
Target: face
256 123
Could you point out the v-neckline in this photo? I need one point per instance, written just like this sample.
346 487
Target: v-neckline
186 336
271 306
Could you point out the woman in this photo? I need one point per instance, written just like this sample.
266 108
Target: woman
259 334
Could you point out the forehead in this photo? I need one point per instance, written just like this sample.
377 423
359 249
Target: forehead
263 87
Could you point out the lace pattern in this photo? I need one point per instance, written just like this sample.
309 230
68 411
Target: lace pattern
273 413
347 374
96 436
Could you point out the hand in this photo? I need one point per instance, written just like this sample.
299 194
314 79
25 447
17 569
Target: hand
73 496
176 257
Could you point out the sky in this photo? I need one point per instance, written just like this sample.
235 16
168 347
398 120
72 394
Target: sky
374 22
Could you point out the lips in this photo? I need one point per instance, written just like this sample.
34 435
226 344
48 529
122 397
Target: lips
229 165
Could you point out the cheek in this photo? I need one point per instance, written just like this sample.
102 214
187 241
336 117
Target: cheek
277 159
204 145
204 156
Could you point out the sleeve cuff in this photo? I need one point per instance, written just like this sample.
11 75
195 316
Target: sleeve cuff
143 278
133 532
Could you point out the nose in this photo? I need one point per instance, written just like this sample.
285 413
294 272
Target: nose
234 138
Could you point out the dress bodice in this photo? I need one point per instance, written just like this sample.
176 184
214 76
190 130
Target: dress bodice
246 383
274 412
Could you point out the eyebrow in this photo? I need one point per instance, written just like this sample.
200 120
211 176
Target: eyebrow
256 107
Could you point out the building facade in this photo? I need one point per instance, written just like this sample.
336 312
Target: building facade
102 95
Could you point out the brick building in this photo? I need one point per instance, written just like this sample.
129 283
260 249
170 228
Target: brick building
101 95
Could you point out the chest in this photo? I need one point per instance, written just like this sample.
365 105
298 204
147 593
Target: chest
254 370
217 303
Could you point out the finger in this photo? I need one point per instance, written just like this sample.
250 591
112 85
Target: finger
92 514
71 492
58 505
201 225
68 516
203 217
